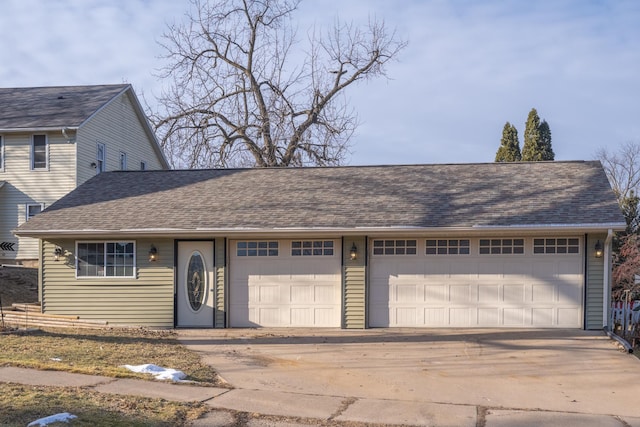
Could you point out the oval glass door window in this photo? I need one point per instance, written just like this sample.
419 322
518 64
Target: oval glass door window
196 281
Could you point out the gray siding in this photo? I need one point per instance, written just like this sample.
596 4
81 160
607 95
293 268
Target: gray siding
25 186
147 300
594 282
354 284
119 128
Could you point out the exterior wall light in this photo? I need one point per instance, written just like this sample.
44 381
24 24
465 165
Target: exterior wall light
153 254
57 253
598 248
353 253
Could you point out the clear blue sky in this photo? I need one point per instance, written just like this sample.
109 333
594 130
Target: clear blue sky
470 66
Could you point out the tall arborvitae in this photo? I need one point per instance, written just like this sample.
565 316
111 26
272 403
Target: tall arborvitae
530 151
509 150
537 139
545 141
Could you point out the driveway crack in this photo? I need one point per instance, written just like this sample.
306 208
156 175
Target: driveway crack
344 405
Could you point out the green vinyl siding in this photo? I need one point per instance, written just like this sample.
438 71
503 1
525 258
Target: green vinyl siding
595 277
354 284
145 300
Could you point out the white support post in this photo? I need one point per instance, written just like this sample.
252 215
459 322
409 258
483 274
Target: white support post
606 280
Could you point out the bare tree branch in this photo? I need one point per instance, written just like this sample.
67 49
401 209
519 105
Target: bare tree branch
239 94
622 169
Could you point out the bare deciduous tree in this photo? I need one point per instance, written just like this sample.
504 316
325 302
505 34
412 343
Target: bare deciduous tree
240 95
623 169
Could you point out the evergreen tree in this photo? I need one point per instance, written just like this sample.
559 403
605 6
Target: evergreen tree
545 141
537 139
509 150
530 151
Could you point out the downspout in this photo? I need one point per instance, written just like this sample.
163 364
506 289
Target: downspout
606 280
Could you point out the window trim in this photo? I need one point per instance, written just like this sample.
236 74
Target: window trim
502 245
26 210
104 265
555 245
271 251
394 245
101 163
46 152
312 248
448 247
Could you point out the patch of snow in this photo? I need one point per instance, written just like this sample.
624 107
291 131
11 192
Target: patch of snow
63 417
158 372
56 359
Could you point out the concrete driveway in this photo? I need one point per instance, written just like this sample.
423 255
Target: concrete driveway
567 371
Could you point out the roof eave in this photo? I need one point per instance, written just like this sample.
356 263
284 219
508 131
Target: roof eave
37 129
322 231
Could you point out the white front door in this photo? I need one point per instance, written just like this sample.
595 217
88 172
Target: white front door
195 285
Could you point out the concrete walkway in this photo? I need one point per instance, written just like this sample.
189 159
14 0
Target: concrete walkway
295 409
257 406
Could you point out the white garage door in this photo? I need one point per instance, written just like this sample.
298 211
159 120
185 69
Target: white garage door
285 283
532 282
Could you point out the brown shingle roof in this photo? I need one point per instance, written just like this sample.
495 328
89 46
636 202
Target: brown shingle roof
52 107
538 194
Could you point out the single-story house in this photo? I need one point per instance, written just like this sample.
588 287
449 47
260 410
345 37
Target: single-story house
523 245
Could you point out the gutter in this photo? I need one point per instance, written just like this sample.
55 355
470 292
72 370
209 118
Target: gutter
352 231
624 343
37 129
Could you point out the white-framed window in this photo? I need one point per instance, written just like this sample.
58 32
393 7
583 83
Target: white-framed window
1 154
395 247
105 259
312 248
39 152
447 247
501 246
33 209
101 158
123 161
143 165
257 248
561 245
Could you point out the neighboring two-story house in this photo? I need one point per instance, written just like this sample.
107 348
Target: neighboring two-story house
53 139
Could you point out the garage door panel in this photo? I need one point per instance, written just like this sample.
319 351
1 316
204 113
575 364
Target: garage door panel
513 316
489 316
492 290
544 270
490 270
408 293
301 294
568 316
542 316
489 293
284 290
459 316
406 316
460 294
435 293
542 292
435 316
514 294
569 292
